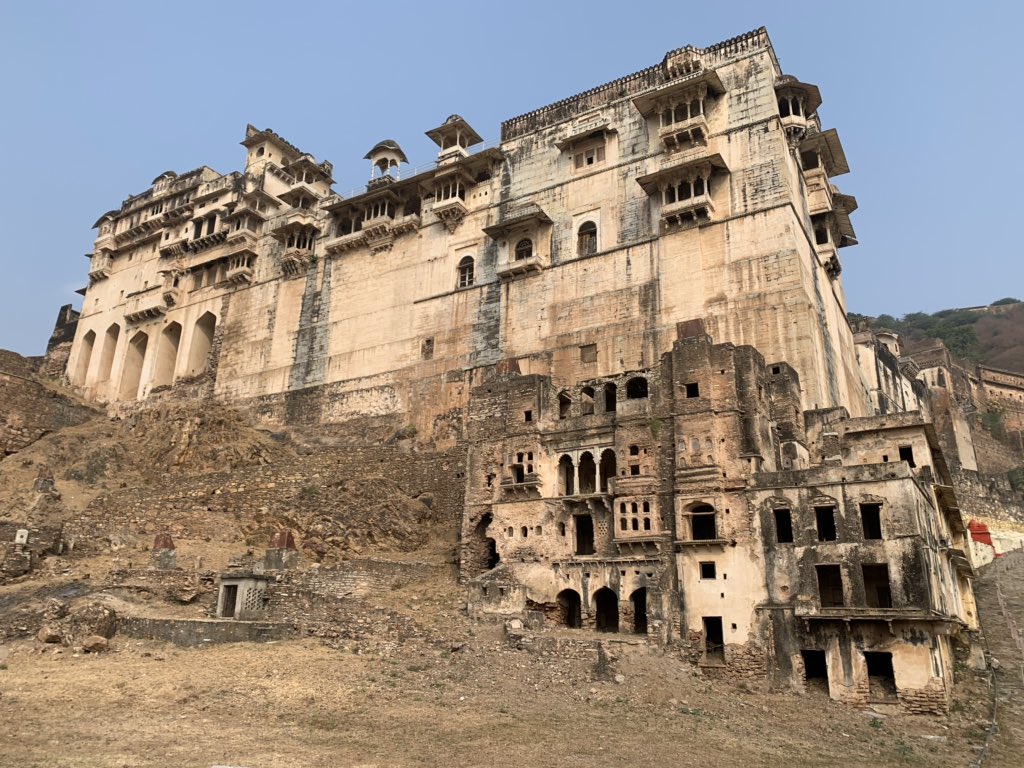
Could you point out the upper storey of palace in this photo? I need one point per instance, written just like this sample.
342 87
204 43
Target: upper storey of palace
698 187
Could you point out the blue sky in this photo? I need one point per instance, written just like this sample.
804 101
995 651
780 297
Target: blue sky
101 97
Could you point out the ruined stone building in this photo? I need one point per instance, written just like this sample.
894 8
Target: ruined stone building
629 312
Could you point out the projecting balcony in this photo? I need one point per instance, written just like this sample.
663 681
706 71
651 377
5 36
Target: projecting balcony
693 131
510 268
298 217
206 241
450 211
171 248
343 243
145 304
141 231
295 261
171 295
100 267
690 212
239 273
819 191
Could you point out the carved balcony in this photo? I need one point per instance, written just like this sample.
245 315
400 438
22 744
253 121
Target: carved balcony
145 304
685 133
688 213
295 261
510 268
100 267
819 190
450 211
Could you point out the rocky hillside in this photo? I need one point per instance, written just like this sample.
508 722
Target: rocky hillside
992 335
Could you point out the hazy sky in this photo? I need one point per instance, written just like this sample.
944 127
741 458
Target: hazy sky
101 97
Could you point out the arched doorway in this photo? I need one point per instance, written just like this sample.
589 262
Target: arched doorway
607 468
166 355
606 610
202 343
639 601
570 608
133 361
85 357
588 473
110 339
566 476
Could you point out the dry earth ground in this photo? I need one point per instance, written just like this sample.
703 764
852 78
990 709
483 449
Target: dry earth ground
298 703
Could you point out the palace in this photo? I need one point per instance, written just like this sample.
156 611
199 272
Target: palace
629 313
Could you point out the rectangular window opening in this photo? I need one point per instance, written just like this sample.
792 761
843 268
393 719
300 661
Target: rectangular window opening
830 586
527 416
871 519
783 526
708 571
692 390
584 535
907 455
825 517
877 588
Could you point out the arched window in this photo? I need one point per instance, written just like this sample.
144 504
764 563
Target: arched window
524 249
260 152
587 401
586 239
467 274
636 388
609 398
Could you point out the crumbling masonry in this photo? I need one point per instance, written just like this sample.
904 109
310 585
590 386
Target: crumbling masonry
586 307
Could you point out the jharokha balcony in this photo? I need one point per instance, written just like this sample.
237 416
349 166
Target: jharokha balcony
145 304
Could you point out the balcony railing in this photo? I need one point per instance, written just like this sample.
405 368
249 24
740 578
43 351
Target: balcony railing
145 304
688 213
685 133
100 267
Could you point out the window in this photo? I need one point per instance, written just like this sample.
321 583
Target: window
636 388
564 405
524 249
871 519
527 416
708 571
825 518
877 589
588 156
830 586
466 272
260 152
692 390
587 401
783 526
588 353
584 535
427 349
609 398
702 523
586 239
907 455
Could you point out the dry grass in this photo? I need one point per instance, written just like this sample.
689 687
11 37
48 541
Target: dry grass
301 704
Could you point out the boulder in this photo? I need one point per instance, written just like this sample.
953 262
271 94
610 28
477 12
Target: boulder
49 634
95 644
